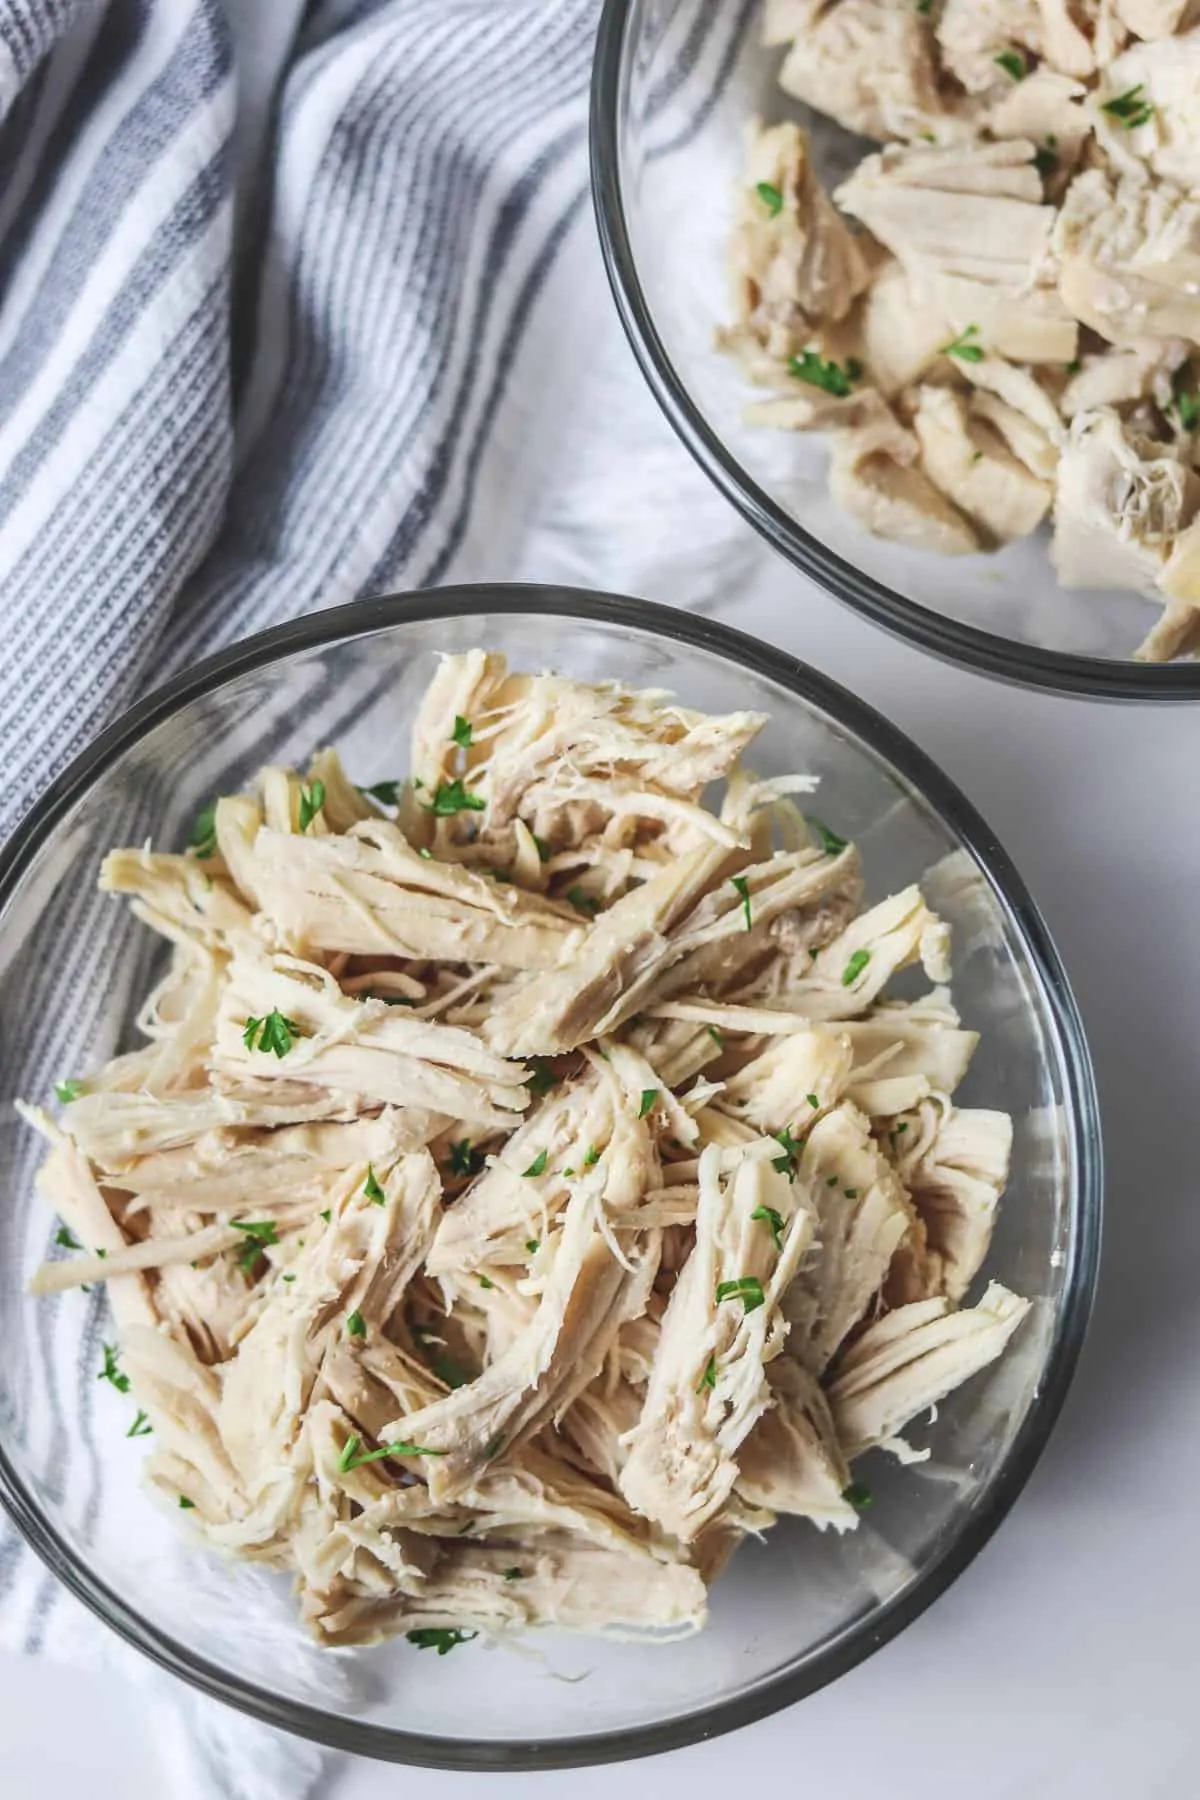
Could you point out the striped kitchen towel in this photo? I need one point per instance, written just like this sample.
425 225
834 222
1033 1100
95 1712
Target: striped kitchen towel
297 302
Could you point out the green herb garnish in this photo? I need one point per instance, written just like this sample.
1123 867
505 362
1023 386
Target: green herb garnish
386 792
514 1574
592 1157
461 735
716 1037
850 1193
273 1032
485 1281
747 1288
326 1214
447 1370
1187 406
538 1165
312 799
773 1220
543 1077
372 1190
829 376
1131 109
649 1096
963 348
65 1239
439 1639
859 1495
741 888
855 967
584 903
356 1325
258 1233
532 1246
1013 63
1045 161
111 1371
141 1426
353 1456
452 797
771 197
186 1505
830 842
204 832
464 1158
709 1377
66 1091
791 1147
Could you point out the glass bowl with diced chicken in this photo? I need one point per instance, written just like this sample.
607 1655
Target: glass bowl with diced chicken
919 286
533 1127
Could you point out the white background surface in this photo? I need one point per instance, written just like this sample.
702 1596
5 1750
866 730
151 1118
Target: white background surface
1064 1662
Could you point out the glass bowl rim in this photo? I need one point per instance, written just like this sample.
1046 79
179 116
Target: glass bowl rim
952 640
362 618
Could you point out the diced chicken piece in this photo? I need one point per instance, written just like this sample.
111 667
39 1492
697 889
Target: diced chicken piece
599 1422
381 1054
903 333
789 1082
177 897
1028 442
870 65
607 979
974 34
810 409
1120 377
911 1359
873 476
371 894
570 1585
708 1383
971 464
1129 258
587 1296
1019 389
116 1129
846 977
1158 18
863 1213
1165 79
1178 631
901 1056
794 266
181 1399
792 1462
1120 505
343 805
1046 109
956 1173
969 226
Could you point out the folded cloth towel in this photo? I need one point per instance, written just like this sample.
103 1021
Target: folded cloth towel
296 303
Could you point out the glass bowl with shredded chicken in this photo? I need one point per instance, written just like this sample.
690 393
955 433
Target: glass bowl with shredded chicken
534 1127
919 286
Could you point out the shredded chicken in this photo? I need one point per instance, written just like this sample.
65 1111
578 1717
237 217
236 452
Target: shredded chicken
521 1197
1020 256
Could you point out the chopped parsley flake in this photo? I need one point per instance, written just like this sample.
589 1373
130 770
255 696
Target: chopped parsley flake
1187 406
850 1193
141 1426
830 842
65 1240
592 1157
1131 108
447 1370
791 1147
541 846
67 1091
452 797
356 1325
709 1377
532 1246
649 1096
859 1495
386 792
204 832
1013 63
1045 161
461 735
485 1281
716 1037
326 1214
584 903
272 1033
747 1288
514 1574
963 348
186 1505
312 799
855 967
538 1165
741 888
111 1371
438 1638
773 1220
543 1077
829 376
372 1190
771 197
464 1158
831 1181
258 1232
354 1456
813 1101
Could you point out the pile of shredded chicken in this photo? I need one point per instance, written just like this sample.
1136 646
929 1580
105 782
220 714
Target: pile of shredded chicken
1001 324
526 1187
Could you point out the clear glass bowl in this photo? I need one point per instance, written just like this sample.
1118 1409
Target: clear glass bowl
790 1614
674 84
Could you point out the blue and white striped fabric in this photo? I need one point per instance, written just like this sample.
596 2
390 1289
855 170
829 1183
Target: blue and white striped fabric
297 302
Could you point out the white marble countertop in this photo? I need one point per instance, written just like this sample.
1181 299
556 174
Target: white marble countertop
1063 1662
